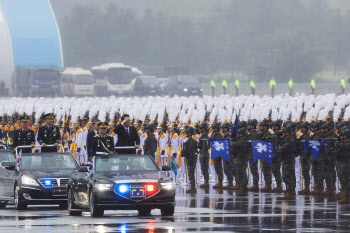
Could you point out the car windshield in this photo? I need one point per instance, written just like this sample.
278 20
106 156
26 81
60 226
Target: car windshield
45 75
149 80
119 75
6 156
83 79
49 161
189 80
125 163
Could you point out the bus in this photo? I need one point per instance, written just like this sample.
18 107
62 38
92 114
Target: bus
77 82
113 79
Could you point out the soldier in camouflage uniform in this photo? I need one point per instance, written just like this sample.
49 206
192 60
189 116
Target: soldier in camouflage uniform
150 144
342 156
305 158
190 152
286 149
276 160
203 147
327 161
227 168
253 135
217 160
265 135
316 164
239 159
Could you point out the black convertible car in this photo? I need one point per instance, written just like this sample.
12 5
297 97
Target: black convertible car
36 180
122 182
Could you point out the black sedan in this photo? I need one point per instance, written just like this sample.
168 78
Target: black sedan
37 179
147 85
122 182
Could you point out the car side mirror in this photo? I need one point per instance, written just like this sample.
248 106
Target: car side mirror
83 169
166 168
9 165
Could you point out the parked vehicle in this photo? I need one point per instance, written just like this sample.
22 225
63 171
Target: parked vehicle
36 81
184 85
113 79
147 85
77 82
163 82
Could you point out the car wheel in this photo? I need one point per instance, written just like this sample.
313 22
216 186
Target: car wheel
71 207
3 204
95 211
144 211
167 211
19 204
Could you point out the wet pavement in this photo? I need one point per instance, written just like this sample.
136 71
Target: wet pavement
206 211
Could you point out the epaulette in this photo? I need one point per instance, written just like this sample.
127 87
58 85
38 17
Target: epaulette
96 135
109 135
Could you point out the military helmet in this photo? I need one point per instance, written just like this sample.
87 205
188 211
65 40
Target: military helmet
305 125
190 130
277 123
215 126
225 126
345 132
242 124
329 125
316 124
342 124
286 123
253 122
241 131
203 126
265 122
288 129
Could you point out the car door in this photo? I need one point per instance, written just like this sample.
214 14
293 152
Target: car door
79 186
6 176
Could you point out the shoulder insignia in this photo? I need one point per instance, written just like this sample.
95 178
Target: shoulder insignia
174 136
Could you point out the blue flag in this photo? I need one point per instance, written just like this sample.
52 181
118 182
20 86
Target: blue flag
314 147
234 128
220 147
262 150
173 165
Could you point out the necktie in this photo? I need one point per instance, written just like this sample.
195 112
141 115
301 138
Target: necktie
127 131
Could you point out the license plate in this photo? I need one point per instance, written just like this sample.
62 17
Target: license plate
138 192
59 191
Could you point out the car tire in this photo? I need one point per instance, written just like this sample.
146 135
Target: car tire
3 204
71 206
167 211
19 204
95 211
144 211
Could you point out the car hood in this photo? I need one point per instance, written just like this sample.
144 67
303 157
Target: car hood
130 175
66 173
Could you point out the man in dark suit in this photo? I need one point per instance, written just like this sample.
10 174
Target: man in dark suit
127 136
49 135
90 137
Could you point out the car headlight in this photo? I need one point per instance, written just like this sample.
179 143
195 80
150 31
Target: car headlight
185 89
103 187
201 89
29 181
168 186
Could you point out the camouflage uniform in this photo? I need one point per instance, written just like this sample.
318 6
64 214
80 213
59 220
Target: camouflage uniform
150 145
189 152
305 159
253 166
204 147
238 159
327 161
218 161
276 159
316 164
228 167
286 149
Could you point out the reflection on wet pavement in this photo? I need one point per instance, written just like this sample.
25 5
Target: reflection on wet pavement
208 210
